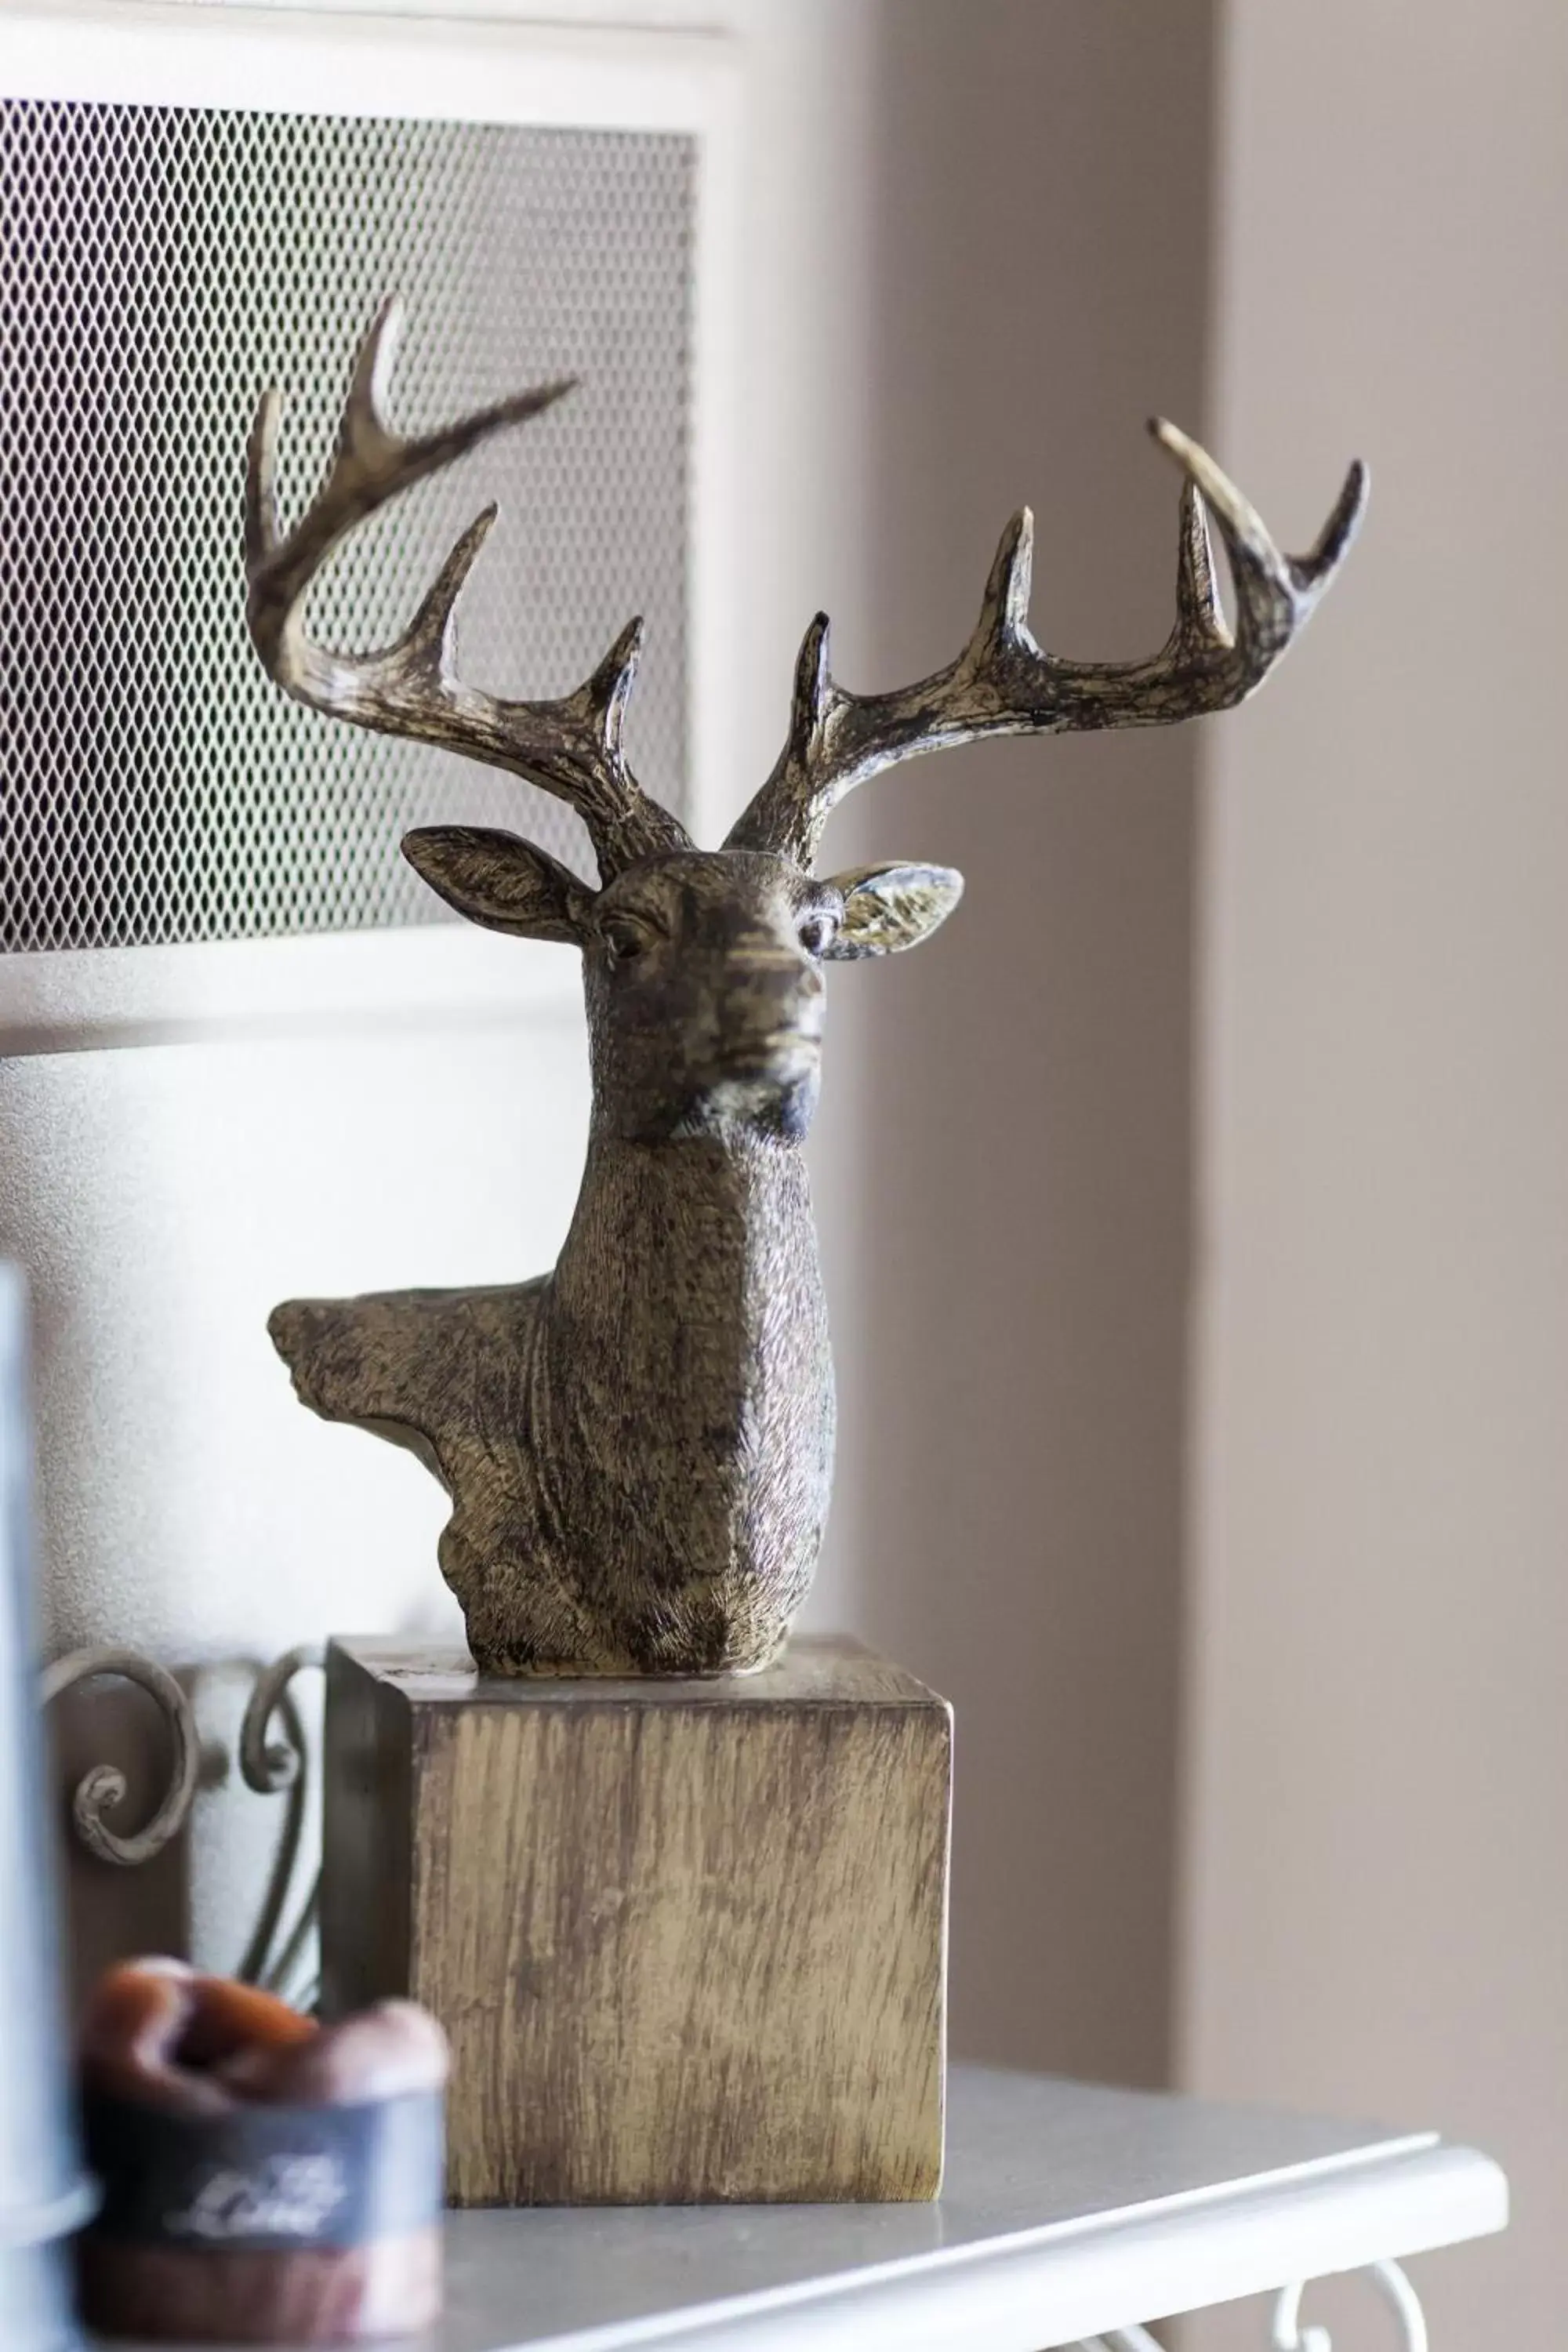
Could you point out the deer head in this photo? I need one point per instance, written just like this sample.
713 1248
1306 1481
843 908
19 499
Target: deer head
704 970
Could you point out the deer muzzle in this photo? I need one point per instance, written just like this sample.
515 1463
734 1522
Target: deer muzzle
770 1014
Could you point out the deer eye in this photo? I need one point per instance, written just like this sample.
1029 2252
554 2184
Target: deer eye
816 933
623 938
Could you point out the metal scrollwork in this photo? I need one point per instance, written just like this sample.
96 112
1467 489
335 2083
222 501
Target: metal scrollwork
272 1770
1289 2336
272 1761
101 1789
273 1958
1121 2339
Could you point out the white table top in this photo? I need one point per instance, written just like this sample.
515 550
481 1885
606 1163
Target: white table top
1067 2210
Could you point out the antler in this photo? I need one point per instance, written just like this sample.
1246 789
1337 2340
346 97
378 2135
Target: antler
1004 683
571 747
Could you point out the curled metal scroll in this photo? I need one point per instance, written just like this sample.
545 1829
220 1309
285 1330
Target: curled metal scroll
1289 2336
277 1767
271 1770
101 1789
272 1761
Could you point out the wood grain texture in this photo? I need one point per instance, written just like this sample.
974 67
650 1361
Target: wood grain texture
687 1939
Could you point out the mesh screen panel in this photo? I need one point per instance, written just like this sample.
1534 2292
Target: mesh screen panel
159 266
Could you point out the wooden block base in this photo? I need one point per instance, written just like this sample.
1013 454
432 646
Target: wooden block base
687 1938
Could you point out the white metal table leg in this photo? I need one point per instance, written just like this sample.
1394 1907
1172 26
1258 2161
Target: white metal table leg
1289 2336
1121 2339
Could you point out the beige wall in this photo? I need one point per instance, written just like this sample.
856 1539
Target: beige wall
1011 1297
1376 1881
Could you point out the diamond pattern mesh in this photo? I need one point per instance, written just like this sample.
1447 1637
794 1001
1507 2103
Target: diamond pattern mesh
160 265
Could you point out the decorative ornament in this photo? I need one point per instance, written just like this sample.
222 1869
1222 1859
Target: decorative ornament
638 1445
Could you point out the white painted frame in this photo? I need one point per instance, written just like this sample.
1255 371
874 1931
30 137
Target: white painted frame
481 66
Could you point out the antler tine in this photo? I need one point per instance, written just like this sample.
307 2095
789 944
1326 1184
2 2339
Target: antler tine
1004 683
1200 615
570 747
1004 620
1275 593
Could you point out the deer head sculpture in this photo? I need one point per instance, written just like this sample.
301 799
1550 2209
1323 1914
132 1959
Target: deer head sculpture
638 1445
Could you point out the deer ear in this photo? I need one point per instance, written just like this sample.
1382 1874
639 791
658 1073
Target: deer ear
888 908
499 880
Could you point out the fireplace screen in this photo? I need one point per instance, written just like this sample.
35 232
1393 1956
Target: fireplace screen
160 265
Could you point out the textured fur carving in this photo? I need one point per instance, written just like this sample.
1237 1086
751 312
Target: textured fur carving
638 1445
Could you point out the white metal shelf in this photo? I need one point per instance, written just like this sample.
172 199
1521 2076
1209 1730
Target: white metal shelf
1069 2211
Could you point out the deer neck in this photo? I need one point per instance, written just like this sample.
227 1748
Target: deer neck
687 1313
682 1396
683 1254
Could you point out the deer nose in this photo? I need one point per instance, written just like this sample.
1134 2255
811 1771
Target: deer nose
776 973
771 962
775 985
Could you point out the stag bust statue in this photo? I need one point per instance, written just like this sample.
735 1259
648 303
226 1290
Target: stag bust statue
638 1445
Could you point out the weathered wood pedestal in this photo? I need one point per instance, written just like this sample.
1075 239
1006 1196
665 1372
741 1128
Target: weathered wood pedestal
687 1938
